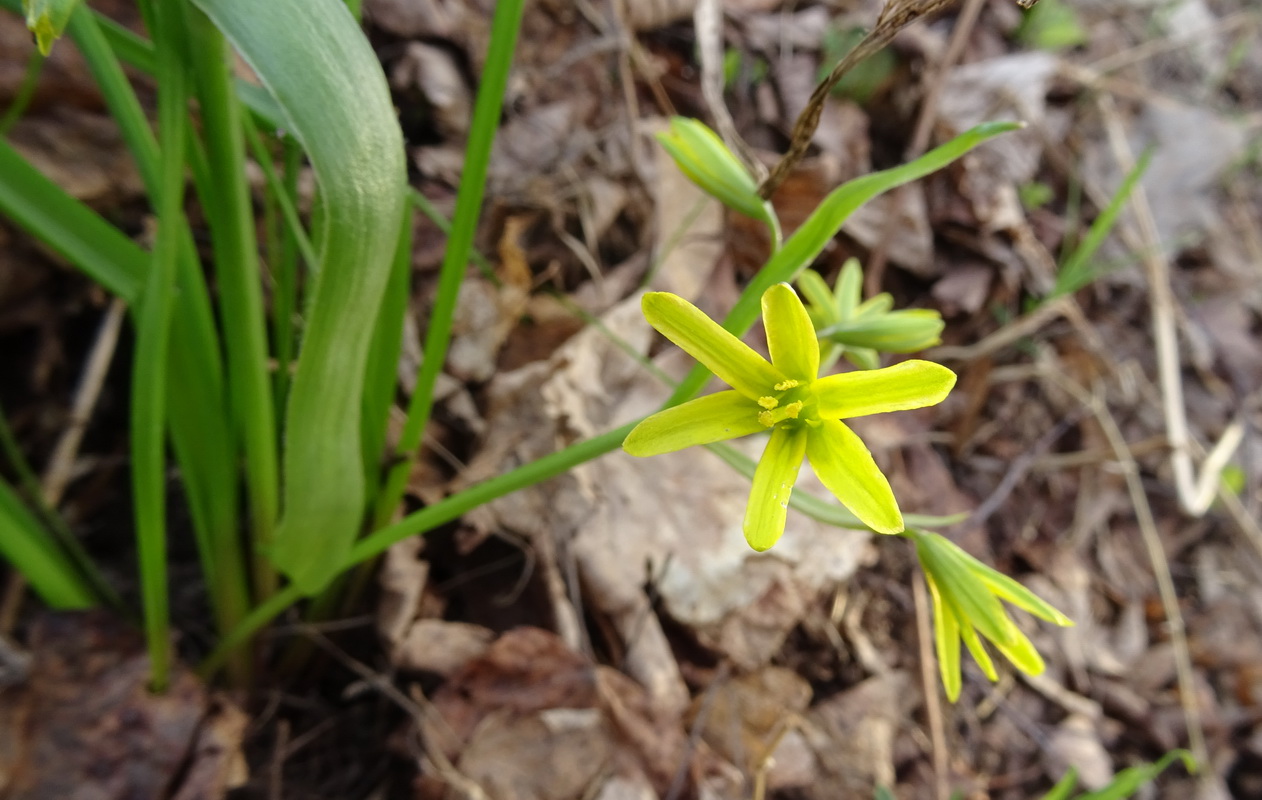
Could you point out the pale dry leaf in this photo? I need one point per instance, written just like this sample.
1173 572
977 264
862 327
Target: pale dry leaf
1076 743
440 646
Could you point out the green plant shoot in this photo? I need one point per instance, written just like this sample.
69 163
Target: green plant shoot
785 396
966 595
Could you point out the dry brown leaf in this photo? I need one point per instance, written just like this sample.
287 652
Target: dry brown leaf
85 725
531 719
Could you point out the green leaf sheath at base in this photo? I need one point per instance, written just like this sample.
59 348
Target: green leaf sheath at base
356 150
47 20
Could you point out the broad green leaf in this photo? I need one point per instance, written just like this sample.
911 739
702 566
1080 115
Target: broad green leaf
773 483
713 418
353 140
790 334
844 465
912 384
705 340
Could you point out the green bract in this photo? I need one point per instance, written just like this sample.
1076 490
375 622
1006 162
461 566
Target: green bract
966 595
702 156
802 412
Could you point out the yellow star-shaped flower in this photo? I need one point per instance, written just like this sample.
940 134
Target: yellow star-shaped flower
802 411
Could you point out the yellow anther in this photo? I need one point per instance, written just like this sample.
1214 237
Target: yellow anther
793 409
785 385
768 402
766 419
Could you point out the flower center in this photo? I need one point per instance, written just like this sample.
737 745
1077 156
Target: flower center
787 404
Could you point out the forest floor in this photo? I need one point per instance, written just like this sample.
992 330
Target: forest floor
609 634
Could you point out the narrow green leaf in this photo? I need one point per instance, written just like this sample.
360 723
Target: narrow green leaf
1129 780
30 549
705 340
149 376
790 334
1076 271
356 151
68 226
773 483
1021 597
1063 787
844 465
946 641
713 418
911 384
505 24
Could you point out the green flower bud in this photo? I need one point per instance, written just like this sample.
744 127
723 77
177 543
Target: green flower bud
47 19
702 156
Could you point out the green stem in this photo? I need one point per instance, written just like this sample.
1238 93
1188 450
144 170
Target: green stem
150 374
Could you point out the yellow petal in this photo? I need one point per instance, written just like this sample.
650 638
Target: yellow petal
912 384
773 483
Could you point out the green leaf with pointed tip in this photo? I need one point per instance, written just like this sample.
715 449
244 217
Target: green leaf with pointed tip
1019 596
946 641
818 298
773 483
705 340
844 465
912 384
968 596
713 418
975 646
1063 787
1128 781
47 19
849 291
790 334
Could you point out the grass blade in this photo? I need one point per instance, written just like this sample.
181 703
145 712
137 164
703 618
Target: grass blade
486 118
